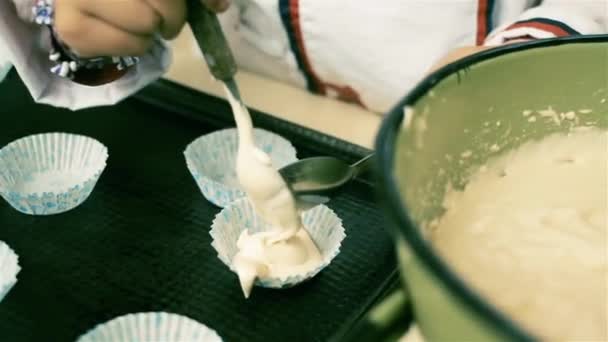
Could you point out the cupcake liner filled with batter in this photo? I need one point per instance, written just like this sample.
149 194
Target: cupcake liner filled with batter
322 225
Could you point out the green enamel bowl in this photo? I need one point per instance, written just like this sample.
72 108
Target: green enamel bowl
475 106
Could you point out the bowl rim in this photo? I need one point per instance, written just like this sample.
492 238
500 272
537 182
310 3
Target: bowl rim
393 205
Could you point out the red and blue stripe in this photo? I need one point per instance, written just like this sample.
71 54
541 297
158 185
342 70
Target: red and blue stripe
485 24
289 11
290 16
555 27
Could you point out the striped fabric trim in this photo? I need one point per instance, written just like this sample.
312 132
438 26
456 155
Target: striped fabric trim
345 93
485 8
522 38
557 28
290 17
289 11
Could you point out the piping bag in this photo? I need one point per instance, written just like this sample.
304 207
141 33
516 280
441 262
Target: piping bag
212 43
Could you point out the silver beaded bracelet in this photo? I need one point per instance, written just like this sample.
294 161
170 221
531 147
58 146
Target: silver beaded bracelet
67 63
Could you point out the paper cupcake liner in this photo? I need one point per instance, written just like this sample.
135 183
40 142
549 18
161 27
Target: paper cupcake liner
211 160
50 173
151 327
322 224
9 268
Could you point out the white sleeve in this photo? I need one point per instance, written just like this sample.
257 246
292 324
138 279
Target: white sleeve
555 18
24 9
28 47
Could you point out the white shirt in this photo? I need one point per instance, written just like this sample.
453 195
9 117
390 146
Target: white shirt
369 54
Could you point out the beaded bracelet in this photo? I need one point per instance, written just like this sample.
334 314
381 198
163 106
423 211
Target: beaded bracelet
67 63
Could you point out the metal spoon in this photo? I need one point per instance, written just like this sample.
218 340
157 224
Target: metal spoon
311 180
314 180
213 44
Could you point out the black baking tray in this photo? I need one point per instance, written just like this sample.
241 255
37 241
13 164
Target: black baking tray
141 241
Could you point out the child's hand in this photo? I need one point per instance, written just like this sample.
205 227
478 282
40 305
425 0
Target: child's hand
120 27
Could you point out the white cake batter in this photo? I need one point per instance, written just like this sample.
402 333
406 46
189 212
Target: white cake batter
285 251
530 233
257 257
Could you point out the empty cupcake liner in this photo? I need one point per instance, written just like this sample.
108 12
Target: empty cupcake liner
211 160
9 268
50 173
151 327
322 224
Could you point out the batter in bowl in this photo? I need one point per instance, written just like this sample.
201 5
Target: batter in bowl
529 232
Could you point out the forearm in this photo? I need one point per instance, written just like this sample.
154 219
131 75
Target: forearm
28 47
555 18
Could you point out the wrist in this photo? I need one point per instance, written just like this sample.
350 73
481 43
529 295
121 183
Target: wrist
68 64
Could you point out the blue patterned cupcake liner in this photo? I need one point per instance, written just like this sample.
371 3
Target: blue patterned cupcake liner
9 268
151 327
322 224
211 160
50 173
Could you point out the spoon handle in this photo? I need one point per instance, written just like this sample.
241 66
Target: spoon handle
211 40
363 165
